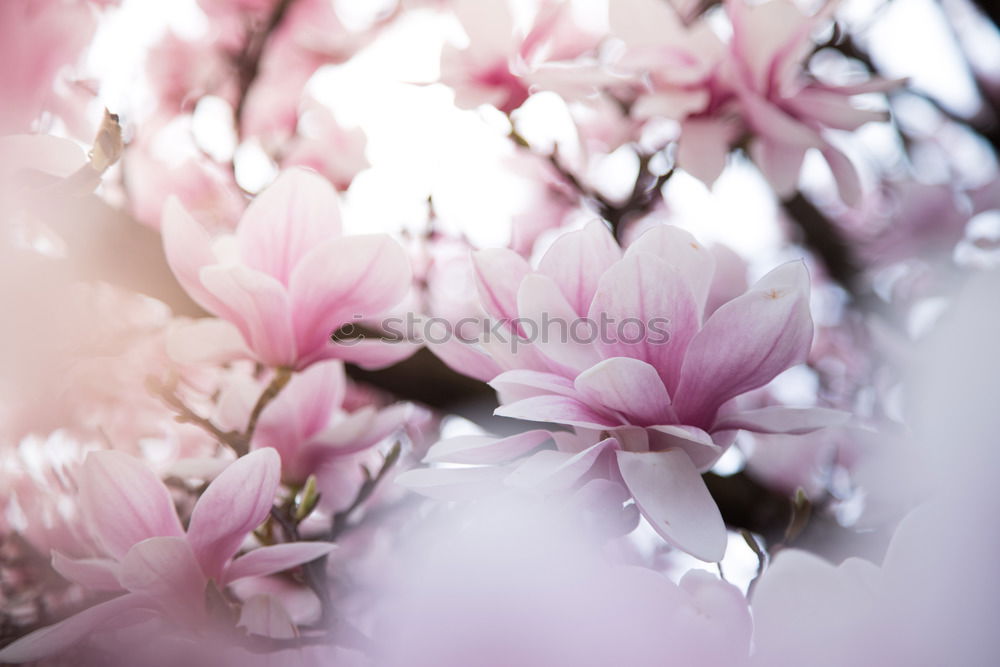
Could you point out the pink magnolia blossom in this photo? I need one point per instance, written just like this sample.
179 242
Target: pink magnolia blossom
672 67
753 86
287 279
162 569
671 405
503 61
308 423
322 143
787 111
37 39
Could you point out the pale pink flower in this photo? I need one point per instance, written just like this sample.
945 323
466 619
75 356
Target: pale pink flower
181 71
755 85
538 589
308 423
203 187
288 279
37 39
671 66
322 143
503 62
668 401
787 110
162 569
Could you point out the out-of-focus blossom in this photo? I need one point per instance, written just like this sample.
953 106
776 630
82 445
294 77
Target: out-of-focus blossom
562 597
753 88
308 423
163 569
37 39
203 187
787 111
502 61
322 143
181 71
677 63
287 280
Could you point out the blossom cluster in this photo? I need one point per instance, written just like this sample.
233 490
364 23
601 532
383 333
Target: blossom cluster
495 332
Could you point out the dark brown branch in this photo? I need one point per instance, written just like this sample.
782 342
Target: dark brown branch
824 238
640 201
238 441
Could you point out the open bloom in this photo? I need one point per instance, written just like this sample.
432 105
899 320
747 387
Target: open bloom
288 279
162 569
669 399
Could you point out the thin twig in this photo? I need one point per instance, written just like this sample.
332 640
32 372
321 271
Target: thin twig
238 441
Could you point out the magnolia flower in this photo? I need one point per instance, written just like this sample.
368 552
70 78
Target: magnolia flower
786 111
38 38
501 63
287 280
671 66
324 144
308 423
162 569
755 85
669 398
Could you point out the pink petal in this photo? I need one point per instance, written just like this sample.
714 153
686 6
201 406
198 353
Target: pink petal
260 310
453 483
99 574
674 499
346 280
361 429
277 558
773 124
576 260
556 471
233 505
548 322
265 615
484 449
746 343
730 279
517 385
700 447
651 311
465 358
57 638
499 272
557 409
123 502
833 109
370 354
681 251
844 173
779 162
164 569
304 407
628 387
292 216
188 248
704 145
779 419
